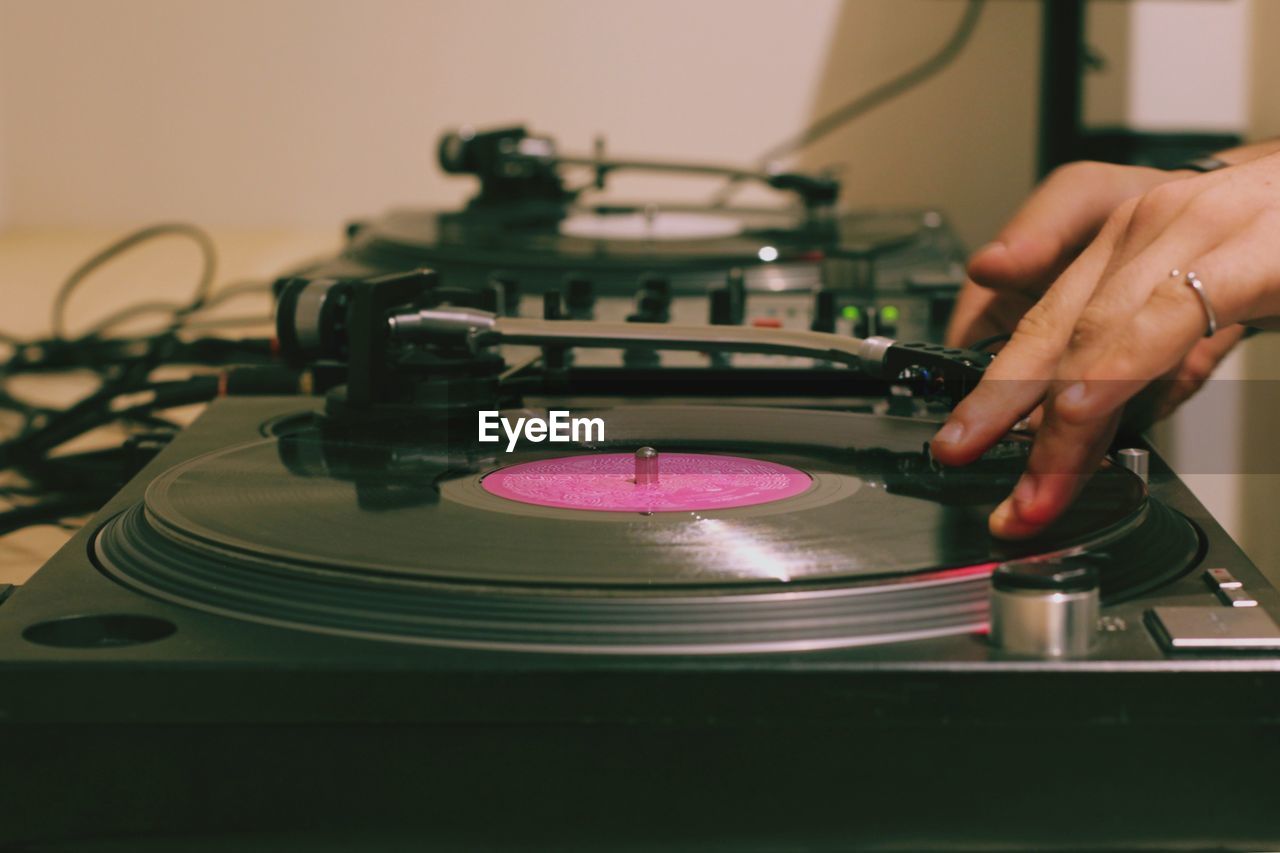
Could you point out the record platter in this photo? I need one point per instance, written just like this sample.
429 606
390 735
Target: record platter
794 542
749 612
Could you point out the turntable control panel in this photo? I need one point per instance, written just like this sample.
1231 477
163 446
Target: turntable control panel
904 315
1237 623
893 273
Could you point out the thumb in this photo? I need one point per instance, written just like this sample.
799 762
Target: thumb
1060 218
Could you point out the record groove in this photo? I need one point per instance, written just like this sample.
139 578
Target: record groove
240 533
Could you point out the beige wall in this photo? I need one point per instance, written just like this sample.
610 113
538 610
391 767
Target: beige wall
1260 532
1265 98
965 141
302 113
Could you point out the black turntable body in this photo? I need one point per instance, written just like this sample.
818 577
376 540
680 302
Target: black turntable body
749 612
166 703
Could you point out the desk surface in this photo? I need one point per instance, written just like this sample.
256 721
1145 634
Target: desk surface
34 262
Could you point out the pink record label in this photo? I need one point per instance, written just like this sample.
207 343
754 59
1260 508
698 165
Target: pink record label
686 482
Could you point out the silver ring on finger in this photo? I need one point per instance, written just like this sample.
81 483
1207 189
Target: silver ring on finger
1197 287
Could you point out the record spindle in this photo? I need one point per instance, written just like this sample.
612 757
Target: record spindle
646 467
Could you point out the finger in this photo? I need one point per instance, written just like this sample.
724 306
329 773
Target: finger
1194 370
1059 219
1070 443
971 318
980 313
1172 323
1105 372
1061 462
1018 378
1170 224
1031 423
1156 210
1161 398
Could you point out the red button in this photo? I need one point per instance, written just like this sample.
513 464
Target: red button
766 322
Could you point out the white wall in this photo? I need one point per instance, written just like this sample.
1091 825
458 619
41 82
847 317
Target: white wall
1189 62
4 88
1171 65
306 113
1188 68
302 113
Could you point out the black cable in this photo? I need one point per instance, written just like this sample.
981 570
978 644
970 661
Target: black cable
105 356
29 419
73 484
52 510
234 290
243 320
91 412
181 314
173 309
101 355
107 469
153 422
127 377
115 401
180 229
885 91
872 98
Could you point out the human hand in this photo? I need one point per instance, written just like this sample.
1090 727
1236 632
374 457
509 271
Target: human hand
1061 217
1049 231
1115 320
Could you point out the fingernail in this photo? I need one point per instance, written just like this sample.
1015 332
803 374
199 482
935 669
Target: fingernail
1024 492
1001 516
951 433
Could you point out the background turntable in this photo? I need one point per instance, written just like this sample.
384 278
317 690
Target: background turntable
527 232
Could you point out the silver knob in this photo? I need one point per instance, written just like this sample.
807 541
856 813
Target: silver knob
1045 608
1136 460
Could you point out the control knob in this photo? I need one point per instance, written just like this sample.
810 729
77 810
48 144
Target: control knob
824 311
580 298
1045 608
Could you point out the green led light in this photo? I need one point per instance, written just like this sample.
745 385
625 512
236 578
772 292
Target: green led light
850 312
889 313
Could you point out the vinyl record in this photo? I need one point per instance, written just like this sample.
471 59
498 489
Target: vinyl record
692 248
847 535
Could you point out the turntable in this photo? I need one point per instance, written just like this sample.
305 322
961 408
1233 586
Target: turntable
803 263
724 626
